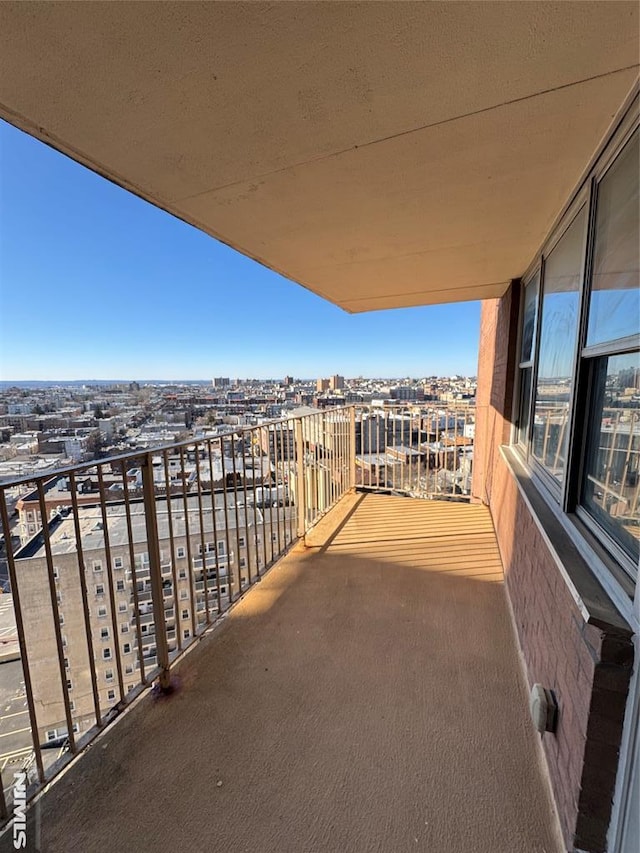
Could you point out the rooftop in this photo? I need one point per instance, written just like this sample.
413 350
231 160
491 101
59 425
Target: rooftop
63 536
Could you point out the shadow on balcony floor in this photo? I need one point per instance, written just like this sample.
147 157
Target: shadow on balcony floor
366 696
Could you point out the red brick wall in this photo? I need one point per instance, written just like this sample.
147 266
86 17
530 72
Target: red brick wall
587 667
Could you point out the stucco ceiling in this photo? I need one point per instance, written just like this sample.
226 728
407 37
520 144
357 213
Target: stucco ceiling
380 154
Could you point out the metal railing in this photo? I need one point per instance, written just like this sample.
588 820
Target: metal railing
422 452
134 557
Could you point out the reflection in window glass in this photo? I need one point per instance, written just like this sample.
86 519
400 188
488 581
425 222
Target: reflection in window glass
559 326
614 309
525 403
612 474
529 318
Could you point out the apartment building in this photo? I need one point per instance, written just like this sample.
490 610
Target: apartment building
199 547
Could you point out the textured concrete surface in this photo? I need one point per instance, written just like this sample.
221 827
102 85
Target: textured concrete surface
380 154
366 696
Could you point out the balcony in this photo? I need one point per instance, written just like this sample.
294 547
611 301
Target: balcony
370 678
365 695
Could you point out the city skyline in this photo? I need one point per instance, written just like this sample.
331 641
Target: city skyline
97 284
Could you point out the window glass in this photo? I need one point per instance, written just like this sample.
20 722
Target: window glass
614 308
612 476
558 330
529 318
525 403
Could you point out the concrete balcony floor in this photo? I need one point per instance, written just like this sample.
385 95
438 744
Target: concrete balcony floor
366 696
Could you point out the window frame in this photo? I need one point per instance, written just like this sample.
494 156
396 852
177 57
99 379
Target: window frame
565 498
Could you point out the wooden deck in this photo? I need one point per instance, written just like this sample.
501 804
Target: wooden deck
366 696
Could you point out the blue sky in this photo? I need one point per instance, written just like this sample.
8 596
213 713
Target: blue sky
97 284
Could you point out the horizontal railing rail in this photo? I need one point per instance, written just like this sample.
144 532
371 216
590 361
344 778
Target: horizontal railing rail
116 566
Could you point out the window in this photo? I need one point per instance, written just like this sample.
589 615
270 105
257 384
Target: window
102 611
222 547
100 589
556 354
108 674
106 653
104 633
128 669
180 551
241 542
111 695
243 562
185 614
186 633
120 585
52 734
69 684
126 648
60 619
182 574
117 563
97 566
72 705
529 326
579 360
610 487
183 595
122 607
56 572
124 628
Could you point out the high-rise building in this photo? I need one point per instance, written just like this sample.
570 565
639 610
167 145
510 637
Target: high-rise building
221 382
119 600
336 383
322 385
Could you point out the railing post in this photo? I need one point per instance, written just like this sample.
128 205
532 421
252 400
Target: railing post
300 480
352 447
155 570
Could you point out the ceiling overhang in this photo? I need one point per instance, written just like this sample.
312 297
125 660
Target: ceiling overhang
380 154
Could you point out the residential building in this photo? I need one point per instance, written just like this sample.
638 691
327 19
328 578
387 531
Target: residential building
118 597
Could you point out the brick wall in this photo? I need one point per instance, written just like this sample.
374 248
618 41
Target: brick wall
588 666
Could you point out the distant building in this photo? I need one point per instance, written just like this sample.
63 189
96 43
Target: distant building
336 383
221 382
322 385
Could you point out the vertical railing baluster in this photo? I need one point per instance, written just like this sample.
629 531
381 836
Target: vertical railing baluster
187 534
236 514
155 571
17 608
172 549
227 538
56 613
300 477
73 489
203 543
277 453
134 577
247 537
214 522
112 592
